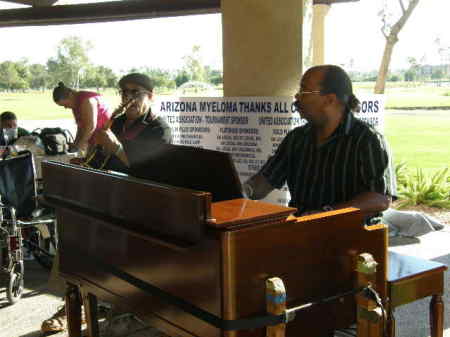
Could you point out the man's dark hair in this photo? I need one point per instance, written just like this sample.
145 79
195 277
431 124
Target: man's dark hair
61 92
138 79
8 116
336 81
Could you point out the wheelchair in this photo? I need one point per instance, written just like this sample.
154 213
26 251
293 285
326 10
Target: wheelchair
23 224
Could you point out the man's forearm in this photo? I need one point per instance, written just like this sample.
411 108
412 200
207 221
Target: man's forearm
257 187
368 202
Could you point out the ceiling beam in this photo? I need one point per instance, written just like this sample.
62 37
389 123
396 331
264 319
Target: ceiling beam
22 2
105 11
34 3
330 2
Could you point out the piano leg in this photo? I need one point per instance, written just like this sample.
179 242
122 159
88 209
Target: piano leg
390 323
437 316
90 309
73 307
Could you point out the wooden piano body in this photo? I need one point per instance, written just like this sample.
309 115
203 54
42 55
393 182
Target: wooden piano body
213 255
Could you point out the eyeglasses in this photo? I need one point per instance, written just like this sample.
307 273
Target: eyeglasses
132 92
302 92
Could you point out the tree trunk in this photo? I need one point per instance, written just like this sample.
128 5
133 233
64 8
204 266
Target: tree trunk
384 67
391 40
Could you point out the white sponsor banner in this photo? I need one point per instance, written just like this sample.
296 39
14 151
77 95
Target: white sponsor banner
250 128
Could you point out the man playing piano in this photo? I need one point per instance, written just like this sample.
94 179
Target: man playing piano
129 138
335 160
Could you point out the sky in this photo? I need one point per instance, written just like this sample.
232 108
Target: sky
352 32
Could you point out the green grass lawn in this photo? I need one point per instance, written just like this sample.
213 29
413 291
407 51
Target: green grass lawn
422 140
406 94
40 105
412 97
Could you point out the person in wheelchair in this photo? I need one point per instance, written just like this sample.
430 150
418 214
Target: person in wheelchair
10 132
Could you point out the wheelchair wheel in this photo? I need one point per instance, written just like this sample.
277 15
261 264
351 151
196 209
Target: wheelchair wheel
40 247
14 289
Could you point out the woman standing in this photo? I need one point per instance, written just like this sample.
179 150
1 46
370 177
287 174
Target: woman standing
89 110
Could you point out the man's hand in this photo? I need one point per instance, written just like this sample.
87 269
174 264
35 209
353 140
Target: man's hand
257 187
107 140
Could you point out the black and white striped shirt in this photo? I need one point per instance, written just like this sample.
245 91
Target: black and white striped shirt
355 159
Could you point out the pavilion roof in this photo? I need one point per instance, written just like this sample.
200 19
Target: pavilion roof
54 12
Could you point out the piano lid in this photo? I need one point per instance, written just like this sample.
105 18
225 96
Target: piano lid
243 212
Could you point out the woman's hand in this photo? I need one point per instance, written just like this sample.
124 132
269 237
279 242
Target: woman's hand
73 148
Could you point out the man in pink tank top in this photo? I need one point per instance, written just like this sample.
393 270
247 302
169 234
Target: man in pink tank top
89 110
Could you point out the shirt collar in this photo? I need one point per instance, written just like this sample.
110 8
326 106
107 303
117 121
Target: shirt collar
346 125
343 128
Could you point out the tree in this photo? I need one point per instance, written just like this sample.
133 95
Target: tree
98 77
10 76
161 78
193 65
444 54
390 32
70 62
413 70
181 77
24 72
410 76
39 77
214 76
437 74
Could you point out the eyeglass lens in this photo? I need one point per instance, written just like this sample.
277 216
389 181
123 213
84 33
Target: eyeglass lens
130 92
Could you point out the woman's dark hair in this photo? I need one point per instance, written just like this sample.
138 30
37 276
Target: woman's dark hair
61 92
8 116
336 81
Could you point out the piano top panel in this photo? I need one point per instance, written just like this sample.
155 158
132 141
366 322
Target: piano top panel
156 208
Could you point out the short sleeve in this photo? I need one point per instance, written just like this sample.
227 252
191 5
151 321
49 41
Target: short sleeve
376 166
275 170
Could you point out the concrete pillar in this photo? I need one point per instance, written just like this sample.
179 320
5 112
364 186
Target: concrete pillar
318 31
261 47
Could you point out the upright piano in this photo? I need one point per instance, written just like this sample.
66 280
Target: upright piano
191 257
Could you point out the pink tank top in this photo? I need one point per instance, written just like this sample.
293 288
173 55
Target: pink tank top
103 113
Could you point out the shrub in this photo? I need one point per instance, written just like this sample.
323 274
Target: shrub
401 173
418 189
